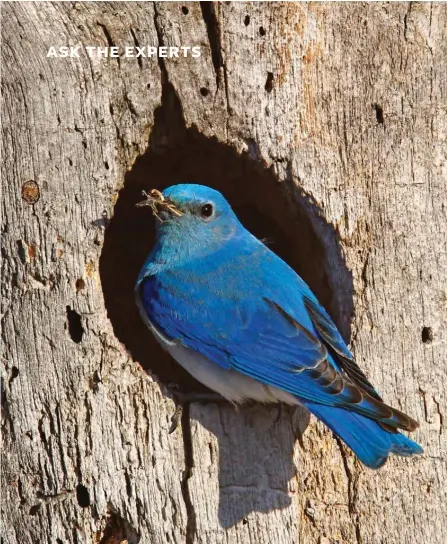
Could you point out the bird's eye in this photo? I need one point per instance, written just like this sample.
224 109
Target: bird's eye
206 210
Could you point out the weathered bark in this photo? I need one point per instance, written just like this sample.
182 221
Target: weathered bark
325 125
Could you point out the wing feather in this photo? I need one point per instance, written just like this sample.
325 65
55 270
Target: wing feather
330 335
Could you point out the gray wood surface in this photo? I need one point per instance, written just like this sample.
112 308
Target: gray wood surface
326 126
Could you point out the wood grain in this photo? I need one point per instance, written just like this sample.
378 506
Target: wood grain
325 124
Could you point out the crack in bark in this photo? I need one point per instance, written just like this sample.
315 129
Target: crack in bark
424 402
130 105
109 39
352 492
213 31
20 491
119 135
161 61
6 419
440 414
215 41
410 5
191 524
137 44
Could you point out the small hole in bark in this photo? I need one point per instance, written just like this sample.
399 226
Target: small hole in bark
106 165
34 509
247 20
21 251
269 82
3 399
75 327
80 284
244 521
178 154
261 31
379 113
14 374
185 10
427 335
82 496
95 381
204 91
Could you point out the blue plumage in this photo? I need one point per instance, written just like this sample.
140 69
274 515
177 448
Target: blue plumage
245 324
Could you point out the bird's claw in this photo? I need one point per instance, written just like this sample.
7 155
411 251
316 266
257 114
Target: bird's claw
176 418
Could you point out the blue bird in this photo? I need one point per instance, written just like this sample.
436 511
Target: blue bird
243 323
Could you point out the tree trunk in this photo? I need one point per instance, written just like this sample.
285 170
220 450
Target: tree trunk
325 126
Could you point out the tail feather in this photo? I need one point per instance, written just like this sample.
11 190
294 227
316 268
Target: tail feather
368 440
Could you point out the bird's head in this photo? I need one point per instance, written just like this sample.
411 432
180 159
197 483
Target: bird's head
192 215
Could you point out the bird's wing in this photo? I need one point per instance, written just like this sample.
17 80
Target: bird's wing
272 351
222 328
262 340
332 338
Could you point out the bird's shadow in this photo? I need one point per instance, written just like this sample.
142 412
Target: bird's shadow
255 452
255 477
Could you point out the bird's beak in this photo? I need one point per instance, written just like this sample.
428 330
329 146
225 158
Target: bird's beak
158 202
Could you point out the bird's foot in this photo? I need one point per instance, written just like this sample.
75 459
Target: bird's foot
176 418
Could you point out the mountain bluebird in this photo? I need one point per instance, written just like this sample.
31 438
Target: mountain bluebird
243 323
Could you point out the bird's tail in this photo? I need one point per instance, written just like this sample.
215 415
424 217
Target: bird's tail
367 439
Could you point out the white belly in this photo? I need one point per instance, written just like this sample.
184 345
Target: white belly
231 384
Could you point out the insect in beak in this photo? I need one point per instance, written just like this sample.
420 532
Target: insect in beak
156 200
